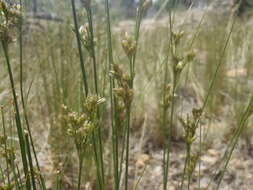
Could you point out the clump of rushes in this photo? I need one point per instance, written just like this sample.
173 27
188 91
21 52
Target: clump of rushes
81 127
124 95
190 130
179 62
126 80
87 32
10 17
125 91
117 109
88 35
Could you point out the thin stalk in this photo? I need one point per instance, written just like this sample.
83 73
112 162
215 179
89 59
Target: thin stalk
17 182
137 31
30 161
183 176
112 100
93 55
231 146
5 147
9 164
186 81
22 97
97 161
58 181
93 52
213 80
79 47
122 153
234 140
165 108
132 61
2 174
17 175
80 172
85 87
200 152
164 119
127 146
139 179
80 151
188 159
167 147
97 156
20 131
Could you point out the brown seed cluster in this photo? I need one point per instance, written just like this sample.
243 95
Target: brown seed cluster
81 125
129 45
123 91
10 17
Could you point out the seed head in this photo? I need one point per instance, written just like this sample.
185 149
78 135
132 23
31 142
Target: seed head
3 140
177 36
180 66
10 17
83 30
129 45
92 102
190 56
196 113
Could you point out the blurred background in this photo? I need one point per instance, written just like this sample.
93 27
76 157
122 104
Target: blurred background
126 8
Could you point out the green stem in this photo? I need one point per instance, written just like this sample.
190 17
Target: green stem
168 144
234 140
167 147
188 165
30 162
112 100
127 146
79 47
17 117
184 172
93 55
93 52
80 172
5 147
100 183
22 98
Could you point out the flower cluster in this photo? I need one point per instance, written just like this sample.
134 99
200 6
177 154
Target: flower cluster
84 32
190 127
123 91
129 45
168 96
10 17
179 62
81 125
6 152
